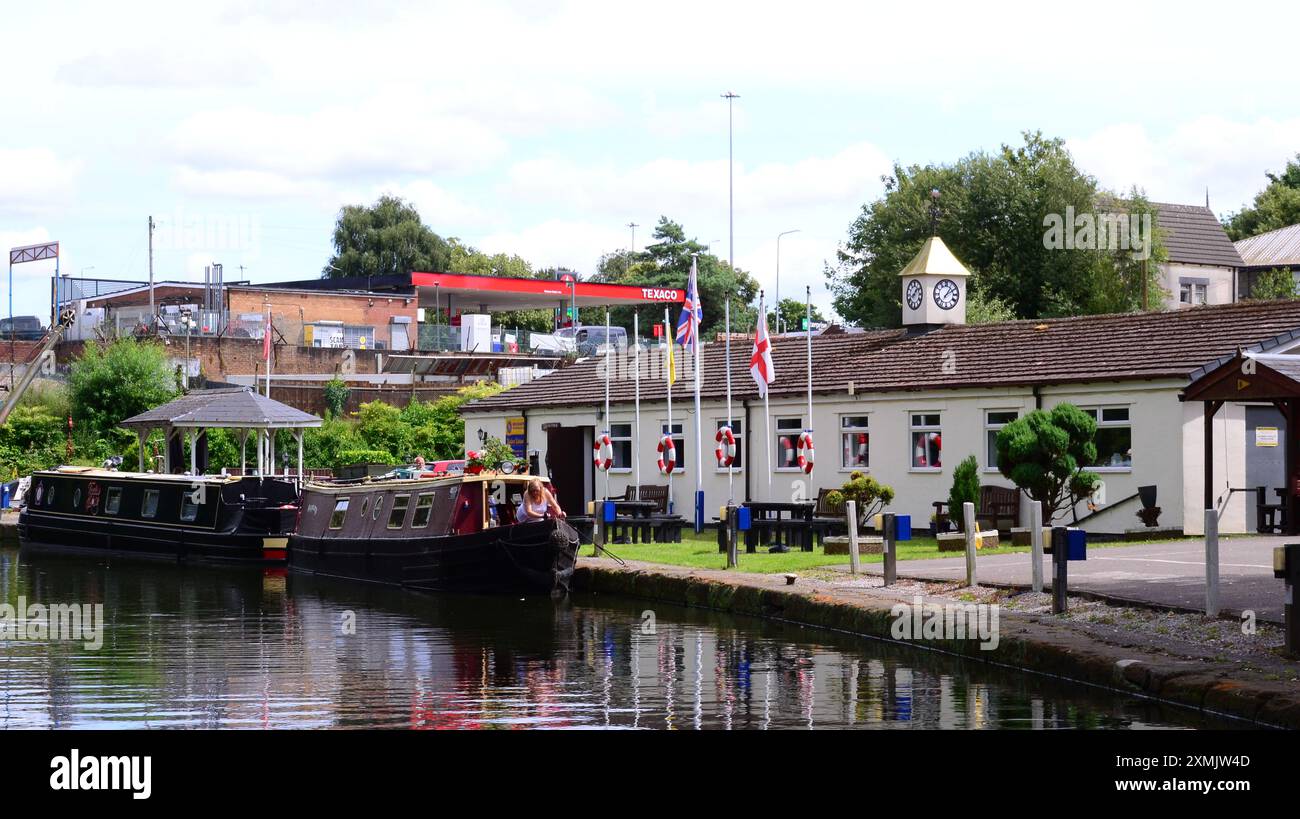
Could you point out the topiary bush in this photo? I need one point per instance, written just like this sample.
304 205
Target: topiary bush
965 489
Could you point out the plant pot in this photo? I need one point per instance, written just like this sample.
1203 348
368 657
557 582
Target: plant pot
951 542
867 545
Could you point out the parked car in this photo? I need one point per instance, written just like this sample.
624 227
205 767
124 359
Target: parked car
591 340
22 328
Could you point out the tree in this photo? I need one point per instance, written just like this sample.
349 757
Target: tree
667 263
869 495
1044 453
387 238
793 312
1277 206
965 489
109 383
1277 283
336 397
994 211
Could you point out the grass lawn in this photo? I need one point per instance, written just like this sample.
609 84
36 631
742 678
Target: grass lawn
701 552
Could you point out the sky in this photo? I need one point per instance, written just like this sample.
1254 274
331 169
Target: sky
544 129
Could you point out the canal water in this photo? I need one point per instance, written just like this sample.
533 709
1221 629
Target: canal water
203 647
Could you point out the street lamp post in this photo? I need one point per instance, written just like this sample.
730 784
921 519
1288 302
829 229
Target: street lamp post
778 276
731 97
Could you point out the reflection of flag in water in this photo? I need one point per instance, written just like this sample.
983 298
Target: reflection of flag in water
760 362
688 326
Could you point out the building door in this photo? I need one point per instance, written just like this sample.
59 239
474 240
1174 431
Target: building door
569 466
1265 457
398 341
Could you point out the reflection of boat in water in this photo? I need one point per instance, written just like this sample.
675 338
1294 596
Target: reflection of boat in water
454 533
187 517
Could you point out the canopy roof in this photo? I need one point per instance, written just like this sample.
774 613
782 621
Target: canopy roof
492 294
227 408
1245 377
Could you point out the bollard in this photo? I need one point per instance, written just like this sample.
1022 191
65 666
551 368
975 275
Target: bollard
968 518
1211 563
1286 566
891 549
1036 543
851 515
598 532
1060 567
733 552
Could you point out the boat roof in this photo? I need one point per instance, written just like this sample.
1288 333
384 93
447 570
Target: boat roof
110 474
381 482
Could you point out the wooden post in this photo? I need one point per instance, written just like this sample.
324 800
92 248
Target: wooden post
1036 543
733 549
891 550
1211 563
1060 570
968 518
851 515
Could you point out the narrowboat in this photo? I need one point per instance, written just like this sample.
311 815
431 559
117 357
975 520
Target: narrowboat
206 517
454 533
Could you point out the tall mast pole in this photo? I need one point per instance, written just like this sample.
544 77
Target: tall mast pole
609 350
731 492
636 425
152 310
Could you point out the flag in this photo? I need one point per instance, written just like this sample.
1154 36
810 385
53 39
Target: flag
672 367
688 326
266 339
760 363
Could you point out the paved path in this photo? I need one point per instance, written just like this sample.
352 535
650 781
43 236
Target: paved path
1171 574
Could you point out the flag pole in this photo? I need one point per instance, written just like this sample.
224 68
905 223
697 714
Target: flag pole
609 349
731 492
808 320
636 425
699 437
669 377
767 413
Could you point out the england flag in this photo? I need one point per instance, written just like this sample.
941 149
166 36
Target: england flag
760 363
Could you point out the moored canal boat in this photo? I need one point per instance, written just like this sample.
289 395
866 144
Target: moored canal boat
446 534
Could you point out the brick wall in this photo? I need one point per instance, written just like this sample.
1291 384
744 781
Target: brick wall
220 357
311 397
292 309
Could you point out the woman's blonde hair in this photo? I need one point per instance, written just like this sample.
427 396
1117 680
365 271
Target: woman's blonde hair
536 488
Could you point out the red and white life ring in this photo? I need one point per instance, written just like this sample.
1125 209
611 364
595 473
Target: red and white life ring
806 454
602 452
787 452
725 451
667 455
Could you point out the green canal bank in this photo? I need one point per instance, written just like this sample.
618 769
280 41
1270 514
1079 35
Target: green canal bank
1172 660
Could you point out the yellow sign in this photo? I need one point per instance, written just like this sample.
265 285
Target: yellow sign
515 426
308 335
1266 436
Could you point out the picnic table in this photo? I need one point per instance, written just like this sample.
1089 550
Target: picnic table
642 520
780 525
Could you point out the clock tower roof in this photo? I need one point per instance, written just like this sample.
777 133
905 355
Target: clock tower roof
935 259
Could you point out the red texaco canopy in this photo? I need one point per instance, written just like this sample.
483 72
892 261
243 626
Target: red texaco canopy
489 294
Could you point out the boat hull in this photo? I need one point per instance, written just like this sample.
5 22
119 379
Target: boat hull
529 558
137 540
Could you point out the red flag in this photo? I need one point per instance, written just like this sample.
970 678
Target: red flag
266 340
760 362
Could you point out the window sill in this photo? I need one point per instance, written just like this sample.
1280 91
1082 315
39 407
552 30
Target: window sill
1110 470
788 470
927 470
849 470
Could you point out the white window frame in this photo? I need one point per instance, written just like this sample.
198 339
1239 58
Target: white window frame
631 448
912 429
1192 288
854 430
777 432
990 426
678 438
1098 412
740 444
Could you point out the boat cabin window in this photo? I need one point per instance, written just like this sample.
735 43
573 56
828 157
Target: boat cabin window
379 505
423 511
113 501
49 496
365 506
340 513
398 516
149 506
76 498
189 508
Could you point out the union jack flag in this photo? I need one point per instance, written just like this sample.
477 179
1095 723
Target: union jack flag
688 326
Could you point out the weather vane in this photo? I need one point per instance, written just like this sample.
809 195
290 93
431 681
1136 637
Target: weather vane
934 212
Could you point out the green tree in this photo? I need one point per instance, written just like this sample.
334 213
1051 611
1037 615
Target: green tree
869 495
994 210
1277 206
1277 283
380 427
965 489
323 447
1045 454
384 239
111 382
793 312
336 397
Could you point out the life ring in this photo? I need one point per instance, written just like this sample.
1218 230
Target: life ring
602 452
787 452
806 455
667 455
725 451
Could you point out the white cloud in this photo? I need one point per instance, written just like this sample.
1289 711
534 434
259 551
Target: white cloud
441 209
35 180
245 184
168 67
574 244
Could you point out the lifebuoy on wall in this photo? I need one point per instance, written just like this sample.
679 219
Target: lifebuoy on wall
806 454
725 451
667 455
602 452
787 452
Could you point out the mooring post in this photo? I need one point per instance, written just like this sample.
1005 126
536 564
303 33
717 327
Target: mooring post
598 531
1211 563
968 518
733 553
1286 567
1036 543
851 516
1060 567
890 549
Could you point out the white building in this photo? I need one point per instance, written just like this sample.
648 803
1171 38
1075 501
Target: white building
1202 263
908 405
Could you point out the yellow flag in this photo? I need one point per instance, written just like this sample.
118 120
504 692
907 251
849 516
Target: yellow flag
672 366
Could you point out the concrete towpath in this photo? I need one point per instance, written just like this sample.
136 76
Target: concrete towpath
1165 573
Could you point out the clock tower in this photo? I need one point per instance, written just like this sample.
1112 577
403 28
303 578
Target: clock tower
934 287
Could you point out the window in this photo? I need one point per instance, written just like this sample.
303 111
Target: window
855 442
927 441
189 507
76 499
49 496
995 420
149 506
113 501
398 516
340 513
423 512
620 435
788 431
1114 438
379 505
1193 291
738 430
679 442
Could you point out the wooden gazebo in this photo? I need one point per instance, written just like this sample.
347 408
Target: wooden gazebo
1272 379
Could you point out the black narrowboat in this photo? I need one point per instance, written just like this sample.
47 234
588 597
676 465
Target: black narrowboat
208 517
443 534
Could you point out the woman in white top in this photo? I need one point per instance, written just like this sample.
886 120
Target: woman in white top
537 502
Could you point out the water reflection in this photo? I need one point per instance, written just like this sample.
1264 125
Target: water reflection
207 647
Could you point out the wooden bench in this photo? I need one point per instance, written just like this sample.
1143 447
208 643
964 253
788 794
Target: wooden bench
828 519
997 504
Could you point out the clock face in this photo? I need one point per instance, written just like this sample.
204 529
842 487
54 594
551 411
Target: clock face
946 294
915 293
